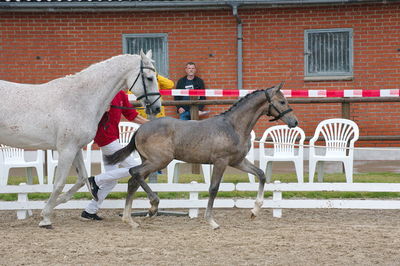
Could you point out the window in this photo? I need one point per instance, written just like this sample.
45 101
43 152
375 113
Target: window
328 54
133 43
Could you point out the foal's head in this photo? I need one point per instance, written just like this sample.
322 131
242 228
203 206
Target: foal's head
278 106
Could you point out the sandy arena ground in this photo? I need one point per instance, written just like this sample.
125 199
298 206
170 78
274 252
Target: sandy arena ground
300 237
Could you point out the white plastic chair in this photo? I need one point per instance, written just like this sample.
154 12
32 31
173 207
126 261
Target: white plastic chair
11 157
173 166
339 136
173 171
286 142
126 131
52 162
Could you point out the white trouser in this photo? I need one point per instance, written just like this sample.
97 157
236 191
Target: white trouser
107 181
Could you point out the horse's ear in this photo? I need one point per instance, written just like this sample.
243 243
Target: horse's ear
149 54
146 57
142 55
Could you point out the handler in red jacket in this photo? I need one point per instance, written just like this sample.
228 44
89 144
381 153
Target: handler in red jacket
107 139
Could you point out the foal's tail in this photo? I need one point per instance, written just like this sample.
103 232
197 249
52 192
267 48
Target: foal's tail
123 153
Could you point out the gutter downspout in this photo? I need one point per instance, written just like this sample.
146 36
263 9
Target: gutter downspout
239 31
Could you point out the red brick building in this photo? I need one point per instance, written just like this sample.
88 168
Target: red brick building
331 45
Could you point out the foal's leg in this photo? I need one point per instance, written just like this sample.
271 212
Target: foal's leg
141 174
154 199
218 171
82 177
133 185
67 155
248 167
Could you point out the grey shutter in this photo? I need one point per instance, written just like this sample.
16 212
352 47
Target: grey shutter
328 52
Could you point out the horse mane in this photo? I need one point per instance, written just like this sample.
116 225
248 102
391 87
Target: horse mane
89 71
240 102
95 66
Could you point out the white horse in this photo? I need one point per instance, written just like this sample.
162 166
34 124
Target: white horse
63 114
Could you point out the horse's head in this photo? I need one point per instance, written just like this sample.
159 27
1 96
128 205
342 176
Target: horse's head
145 85
279 107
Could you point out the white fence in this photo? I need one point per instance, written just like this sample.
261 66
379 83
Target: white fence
23 205
277 203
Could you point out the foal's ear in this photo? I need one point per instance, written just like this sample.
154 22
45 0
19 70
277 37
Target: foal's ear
280 86
271 92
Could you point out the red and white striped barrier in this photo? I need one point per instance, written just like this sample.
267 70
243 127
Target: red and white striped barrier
287 93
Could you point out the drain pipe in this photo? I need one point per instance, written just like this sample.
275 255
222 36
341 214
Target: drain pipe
239 32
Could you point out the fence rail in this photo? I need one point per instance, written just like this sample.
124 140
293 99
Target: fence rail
24 206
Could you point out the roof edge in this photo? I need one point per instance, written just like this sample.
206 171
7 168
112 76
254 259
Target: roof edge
123 6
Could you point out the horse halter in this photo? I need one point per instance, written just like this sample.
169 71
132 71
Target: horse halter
147 101
271 105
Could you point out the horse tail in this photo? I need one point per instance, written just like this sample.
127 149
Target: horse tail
123 153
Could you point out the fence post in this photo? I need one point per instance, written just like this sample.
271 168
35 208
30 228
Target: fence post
23 197
277 196
193 213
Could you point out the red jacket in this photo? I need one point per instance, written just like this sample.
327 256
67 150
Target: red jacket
108 130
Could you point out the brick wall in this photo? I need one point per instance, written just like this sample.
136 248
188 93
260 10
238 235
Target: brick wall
38 47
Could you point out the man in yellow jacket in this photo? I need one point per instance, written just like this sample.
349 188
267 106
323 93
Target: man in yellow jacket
163 84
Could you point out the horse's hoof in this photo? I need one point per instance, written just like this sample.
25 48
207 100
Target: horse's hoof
214 225
254 213
45 223
152 214
47 226
128 220
134 225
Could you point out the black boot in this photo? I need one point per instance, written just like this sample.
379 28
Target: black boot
89 216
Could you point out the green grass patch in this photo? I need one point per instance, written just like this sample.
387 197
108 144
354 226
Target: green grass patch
384 177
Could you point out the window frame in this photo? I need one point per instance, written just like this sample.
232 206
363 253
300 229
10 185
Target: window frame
329 75
164 37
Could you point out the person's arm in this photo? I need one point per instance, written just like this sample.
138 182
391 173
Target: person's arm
201 84
202 87
140 120
179 84
130 114
179 108
164 83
